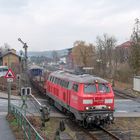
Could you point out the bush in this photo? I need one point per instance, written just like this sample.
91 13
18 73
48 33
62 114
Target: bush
123 75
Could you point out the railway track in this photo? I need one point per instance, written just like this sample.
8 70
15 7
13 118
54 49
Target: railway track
101 134
110 134
124 94
95 133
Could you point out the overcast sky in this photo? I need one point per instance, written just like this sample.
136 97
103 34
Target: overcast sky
57 24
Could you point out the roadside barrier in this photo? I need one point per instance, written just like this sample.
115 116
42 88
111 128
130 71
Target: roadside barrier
29 131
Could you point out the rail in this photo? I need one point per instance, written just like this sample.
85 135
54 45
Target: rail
29 131
110 134
124 94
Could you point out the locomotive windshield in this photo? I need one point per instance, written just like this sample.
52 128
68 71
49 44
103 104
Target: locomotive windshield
90 88
103 88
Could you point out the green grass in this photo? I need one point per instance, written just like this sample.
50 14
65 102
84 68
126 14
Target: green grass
13 122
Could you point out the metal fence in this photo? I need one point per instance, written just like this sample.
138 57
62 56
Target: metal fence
29 131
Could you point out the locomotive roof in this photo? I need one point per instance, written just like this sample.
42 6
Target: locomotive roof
84 78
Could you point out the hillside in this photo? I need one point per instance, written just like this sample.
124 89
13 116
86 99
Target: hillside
48 53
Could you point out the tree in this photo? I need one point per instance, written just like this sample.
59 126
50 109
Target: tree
55 56
5 48
134 59
83 54
105 47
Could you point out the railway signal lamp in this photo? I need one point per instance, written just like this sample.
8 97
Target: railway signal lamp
28 90
18 77
25 91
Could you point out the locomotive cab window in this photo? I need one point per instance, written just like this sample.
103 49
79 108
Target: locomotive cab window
103 88
90 88
75 87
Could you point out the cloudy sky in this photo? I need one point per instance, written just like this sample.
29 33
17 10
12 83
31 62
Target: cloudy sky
57 24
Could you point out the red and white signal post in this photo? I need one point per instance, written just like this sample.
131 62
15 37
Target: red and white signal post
9 76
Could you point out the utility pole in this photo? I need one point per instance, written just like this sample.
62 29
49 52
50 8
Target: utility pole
25 47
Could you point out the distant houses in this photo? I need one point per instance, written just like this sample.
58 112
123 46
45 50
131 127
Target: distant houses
124 50
11 59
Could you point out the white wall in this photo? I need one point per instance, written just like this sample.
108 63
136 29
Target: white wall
136 83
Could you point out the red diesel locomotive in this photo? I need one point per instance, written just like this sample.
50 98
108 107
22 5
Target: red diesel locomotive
90 99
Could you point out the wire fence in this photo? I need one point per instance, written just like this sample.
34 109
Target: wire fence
29 131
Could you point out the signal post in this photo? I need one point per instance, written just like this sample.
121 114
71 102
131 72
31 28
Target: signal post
10 76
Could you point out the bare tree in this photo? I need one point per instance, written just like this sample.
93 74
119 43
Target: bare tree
55 56
5 48
135 49
105 47
83 54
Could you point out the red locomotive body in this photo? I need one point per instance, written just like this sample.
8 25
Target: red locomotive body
88 98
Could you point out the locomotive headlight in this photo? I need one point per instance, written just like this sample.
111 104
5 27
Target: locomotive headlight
87 101
108 101
87 108
109 107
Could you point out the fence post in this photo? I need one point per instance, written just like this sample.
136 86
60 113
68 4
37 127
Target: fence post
20 119
17 117
24 126
29 132
37 138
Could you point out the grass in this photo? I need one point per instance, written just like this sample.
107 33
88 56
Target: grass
14 126
128 128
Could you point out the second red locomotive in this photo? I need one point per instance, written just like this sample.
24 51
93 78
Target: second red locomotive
89 99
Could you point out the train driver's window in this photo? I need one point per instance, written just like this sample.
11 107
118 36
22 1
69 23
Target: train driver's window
75 87
103 88
90 88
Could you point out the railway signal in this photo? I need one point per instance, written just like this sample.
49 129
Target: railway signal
25 91
26 57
